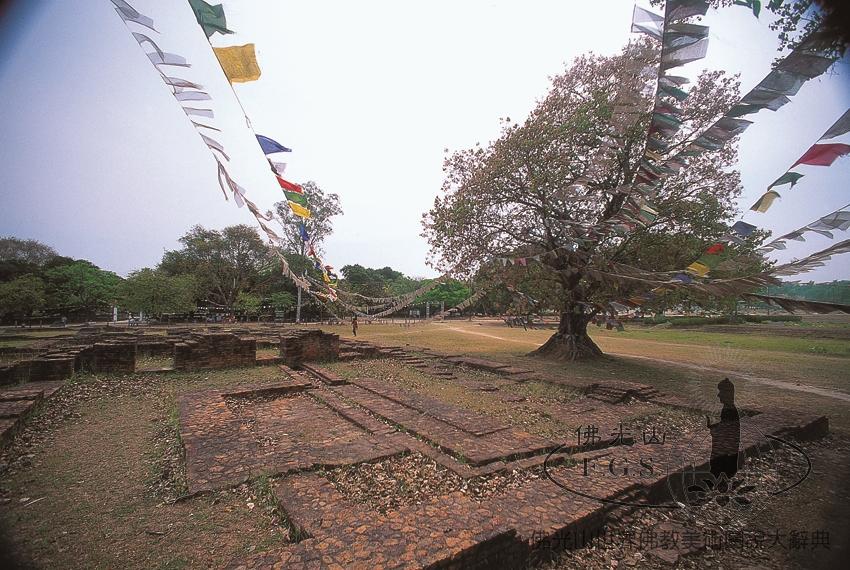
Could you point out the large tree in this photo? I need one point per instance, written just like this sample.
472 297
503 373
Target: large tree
319 225
539 188
154 292
224 263
80 288
21 297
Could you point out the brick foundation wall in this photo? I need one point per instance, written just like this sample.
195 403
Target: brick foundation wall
308 346
106 357
214 350
51 368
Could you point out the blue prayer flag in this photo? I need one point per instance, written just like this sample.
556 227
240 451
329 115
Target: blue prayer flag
743 229
270 146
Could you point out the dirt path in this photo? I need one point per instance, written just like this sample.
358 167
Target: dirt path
476 333
835 394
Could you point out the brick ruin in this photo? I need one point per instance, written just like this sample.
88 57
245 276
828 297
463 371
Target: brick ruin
301 345
314 419
214 350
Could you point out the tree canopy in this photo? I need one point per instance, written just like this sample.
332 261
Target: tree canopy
154 292
539 188
224 262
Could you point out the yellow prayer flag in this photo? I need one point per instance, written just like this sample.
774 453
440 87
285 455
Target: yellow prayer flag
763 204
239 63
698 269
299 210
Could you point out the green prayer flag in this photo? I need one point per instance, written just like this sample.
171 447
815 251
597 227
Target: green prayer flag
296 197
792 177
211 18
674 92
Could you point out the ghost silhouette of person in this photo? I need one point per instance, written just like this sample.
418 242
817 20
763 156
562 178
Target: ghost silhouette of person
725 434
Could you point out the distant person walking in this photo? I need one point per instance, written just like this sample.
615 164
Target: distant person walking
354 325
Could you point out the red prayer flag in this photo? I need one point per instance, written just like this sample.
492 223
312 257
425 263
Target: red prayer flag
286 185
823 154
715 249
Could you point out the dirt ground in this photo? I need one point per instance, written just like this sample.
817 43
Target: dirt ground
96 480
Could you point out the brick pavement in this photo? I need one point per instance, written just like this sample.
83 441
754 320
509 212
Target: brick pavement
230 437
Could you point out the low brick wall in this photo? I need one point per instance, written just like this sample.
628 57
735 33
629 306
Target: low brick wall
304 345
16 373
51 368
214 350
106 357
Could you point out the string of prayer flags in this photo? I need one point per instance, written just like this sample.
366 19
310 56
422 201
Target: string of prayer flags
211 18
239 63
681 43
771 93
819 154
271 146
837 220
791 305
813 261
183 90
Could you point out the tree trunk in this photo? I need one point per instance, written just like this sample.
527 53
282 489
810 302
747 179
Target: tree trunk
571 342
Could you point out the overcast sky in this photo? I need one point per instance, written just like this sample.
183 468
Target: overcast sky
99 161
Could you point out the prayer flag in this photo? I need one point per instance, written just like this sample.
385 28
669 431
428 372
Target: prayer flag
823 154
743 229
698 269
271 146
792 177
302 229
840 127
763 204
211 18
239 63
289 186
644 21
715 249
296 197
299 210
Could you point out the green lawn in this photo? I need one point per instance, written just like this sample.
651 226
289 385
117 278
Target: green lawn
831 347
